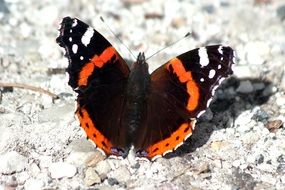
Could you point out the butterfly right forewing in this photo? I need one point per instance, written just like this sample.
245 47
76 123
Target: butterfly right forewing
180 91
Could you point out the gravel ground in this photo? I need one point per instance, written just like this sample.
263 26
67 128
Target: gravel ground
237 144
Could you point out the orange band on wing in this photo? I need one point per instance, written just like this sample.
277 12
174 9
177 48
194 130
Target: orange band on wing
92 133
174 141
96 61
186 77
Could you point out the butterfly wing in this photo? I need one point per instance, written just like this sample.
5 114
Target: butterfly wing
180 91
99 75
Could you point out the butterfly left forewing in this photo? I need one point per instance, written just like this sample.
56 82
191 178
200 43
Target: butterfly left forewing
99 76
179 92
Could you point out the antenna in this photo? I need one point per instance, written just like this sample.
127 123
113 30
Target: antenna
173 43
117 37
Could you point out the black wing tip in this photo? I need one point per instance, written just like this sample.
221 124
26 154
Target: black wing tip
66 23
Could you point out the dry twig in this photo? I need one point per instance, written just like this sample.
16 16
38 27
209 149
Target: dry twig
29 87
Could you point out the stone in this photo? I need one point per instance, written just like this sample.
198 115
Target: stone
34 170
103 167
3 7
34 184
122 174
259 159
256 51
281 12
94 158
112 181
62 169
245 87
78 158
91 177
207 116
258 86
56 113
12 162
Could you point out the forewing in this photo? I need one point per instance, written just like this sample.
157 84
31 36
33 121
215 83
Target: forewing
99 75
180 91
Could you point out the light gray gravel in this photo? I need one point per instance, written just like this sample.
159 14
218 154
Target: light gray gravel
233 147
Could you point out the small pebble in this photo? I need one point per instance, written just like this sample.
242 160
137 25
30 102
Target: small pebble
122 174
34 170
258 86
91 177
3 7
112 181
34 184
259 159
12 162
281 158
94 158
281 12
281 168
274 125
245 87
256 51
62 169
102 167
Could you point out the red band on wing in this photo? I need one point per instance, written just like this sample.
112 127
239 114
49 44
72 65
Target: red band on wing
186 77
96 61
92 133
174 141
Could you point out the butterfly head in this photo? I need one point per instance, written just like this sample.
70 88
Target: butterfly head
140 64
141 57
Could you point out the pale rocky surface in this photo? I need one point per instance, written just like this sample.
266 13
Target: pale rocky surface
232 146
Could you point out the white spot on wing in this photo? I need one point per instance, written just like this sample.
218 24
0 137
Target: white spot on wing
234 52
214 89
177 146
220 50
221 80
81 57
74 48
154 158
142 159
166 152
201 113
204 60
70 30
58 33
87 36
209 101
94 144
116 157
212 73
70 39
234 58
219 66
193 124
202 79
74 23
185 138
59 26
102 151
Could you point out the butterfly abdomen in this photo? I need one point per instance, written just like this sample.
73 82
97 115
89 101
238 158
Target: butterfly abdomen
137 89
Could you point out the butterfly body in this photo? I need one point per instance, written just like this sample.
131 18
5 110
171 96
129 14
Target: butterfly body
120 106
137 90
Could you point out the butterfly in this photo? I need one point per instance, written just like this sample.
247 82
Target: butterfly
120 106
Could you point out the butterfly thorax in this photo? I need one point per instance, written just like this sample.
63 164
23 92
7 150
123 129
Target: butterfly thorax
137 88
